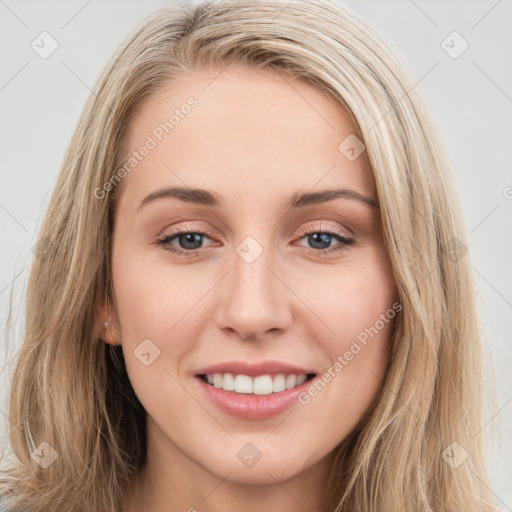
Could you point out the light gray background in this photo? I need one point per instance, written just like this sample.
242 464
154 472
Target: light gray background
470 97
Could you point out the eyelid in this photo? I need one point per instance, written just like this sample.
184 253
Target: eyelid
310 227
314 228
202 228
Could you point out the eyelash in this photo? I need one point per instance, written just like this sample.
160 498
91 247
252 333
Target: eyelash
165 241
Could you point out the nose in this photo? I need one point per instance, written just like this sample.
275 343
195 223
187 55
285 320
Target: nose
254 301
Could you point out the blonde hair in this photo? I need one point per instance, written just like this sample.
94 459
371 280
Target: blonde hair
71 390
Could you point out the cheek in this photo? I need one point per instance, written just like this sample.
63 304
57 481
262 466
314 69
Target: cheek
151 299
357 357
357 306
156 332
351 301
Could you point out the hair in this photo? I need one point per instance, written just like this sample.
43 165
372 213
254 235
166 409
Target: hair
71 390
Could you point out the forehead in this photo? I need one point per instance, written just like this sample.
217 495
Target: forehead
254 131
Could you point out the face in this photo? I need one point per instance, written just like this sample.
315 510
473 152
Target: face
239 280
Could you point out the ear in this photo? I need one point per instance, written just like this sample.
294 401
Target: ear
106 323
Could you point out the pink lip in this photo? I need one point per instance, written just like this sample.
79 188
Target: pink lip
255 369
252 407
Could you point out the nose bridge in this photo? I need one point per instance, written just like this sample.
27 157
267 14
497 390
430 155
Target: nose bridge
252 300
252 281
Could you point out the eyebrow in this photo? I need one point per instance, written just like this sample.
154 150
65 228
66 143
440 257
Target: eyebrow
297 200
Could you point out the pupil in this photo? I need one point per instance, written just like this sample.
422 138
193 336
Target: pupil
320 238
189 238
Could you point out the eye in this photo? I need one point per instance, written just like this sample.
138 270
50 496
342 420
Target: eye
320 240
190 241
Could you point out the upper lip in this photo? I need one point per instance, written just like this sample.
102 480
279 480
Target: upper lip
254 369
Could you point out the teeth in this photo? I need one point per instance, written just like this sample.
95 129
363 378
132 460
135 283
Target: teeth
279 383
261 385
243 384
301 379
291 381
228 382
217 380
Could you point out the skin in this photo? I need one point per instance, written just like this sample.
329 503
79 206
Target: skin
255 138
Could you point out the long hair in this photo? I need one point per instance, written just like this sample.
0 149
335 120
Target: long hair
70 395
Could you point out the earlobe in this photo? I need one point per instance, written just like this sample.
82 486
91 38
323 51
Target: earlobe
106 326
110 332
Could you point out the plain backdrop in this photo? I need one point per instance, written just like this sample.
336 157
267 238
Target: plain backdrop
469 91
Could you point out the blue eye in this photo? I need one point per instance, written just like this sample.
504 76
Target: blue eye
191 241
322 238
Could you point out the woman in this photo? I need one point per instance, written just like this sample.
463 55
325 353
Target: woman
249 289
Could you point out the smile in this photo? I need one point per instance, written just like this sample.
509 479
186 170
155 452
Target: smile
253 398
260 385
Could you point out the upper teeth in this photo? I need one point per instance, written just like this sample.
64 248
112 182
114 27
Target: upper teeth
261 385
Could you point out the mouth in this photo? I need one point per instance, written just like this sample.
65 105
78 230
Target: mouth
260 385
253 398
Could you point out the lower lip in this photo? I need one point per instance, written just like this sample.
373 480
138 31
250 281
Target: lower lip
252 407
